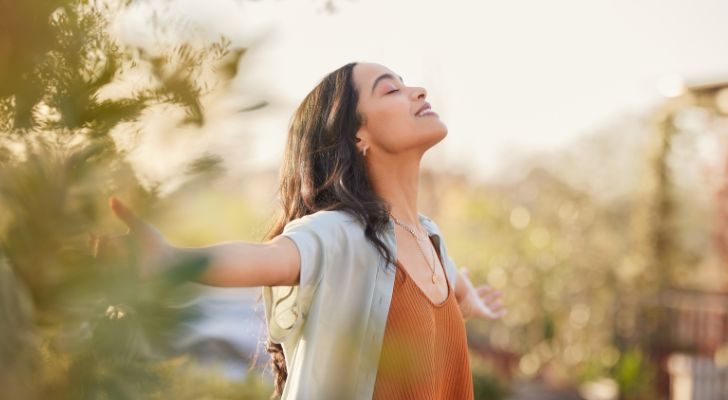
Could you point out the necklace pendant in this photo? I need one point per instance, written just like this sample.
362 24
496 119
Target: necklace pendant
434 278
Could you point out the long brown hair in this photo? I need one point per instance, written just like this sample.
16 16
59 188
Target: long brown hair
323 170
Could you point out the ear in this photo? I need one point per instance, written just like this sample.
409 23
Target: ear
361 139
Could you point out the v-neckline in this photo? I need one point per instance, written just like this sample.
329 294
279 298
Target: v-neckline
447 281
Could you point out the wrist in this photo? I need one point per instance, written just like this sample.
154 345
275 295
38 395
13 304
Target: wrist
187 261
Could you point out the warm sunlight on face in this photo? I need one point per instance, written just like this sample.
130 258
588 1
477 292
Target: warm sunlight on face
396 117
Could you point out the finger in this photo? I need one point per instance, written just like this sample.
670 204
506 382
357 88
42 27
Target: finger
124 213
493 303
485 289
495 306
490 313
489 298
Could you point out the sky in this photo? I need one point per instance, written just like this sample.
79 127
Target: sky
507 77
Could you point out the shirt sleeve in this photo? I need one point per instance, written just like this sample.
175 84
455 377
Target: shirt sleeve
286 307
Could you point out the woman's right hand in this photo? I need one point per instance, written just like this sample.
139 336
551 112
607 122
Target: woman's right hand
151 249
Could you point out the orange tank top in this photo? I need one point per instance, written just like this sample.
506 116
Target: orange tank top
424 350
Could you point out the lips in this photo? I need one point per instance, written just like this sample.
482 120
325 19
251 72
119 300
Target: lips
422 109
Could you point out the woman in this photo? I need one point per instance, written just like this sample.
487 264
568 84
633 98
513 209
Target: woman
361 298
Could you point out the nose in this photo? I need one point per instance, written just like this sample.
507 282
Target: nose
419 92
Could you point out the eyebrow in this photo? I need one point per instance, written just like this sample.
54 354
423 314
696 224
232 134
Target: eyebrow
385 76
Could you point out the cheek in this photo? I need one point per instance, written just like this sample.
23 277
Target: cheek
391 126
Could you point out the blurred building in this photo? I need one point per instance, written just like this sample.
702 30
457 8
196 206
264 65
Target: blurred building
692 341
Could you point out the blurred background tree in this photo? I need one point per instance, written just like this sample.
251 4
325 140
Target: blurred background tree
608 250
72 324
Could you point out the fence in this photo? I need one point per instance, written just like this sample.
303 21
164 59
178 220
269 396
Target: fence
694 329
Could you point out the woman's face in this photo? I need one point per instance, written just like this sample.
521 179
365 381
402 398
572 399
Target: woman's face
391 122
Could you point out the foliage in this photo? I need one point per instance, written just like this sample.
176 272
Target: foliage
487 384
635 375
74 324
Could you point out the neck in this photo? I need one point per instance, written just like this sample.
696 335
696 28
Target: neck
396 181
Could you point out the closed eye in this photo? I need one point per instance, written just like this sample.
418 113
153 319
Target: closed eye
392 91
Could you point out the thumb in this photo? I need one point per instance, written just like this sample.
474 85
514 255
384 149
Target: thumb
124 213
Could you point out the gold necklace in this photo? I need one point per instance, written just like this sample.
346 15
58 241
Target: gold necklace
418 239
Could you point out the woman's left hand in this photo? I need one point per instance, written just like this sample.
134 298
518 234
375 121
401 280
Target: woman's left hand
481 302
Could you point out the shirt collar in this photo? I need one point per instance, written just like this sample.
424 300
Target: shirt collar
424 221
427 223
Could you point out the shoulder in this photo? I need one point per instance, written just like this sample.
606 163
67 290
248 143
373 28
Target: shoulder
334 221
430 225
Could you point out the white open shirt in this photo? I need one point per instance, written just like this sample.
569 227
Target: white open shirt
331 325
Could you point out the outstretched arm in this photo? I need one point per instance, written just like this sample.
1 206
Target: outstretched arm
240 263
481 302
236 263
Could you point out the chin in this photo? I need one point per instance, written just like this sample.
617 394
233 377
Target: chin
441 133
436 136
